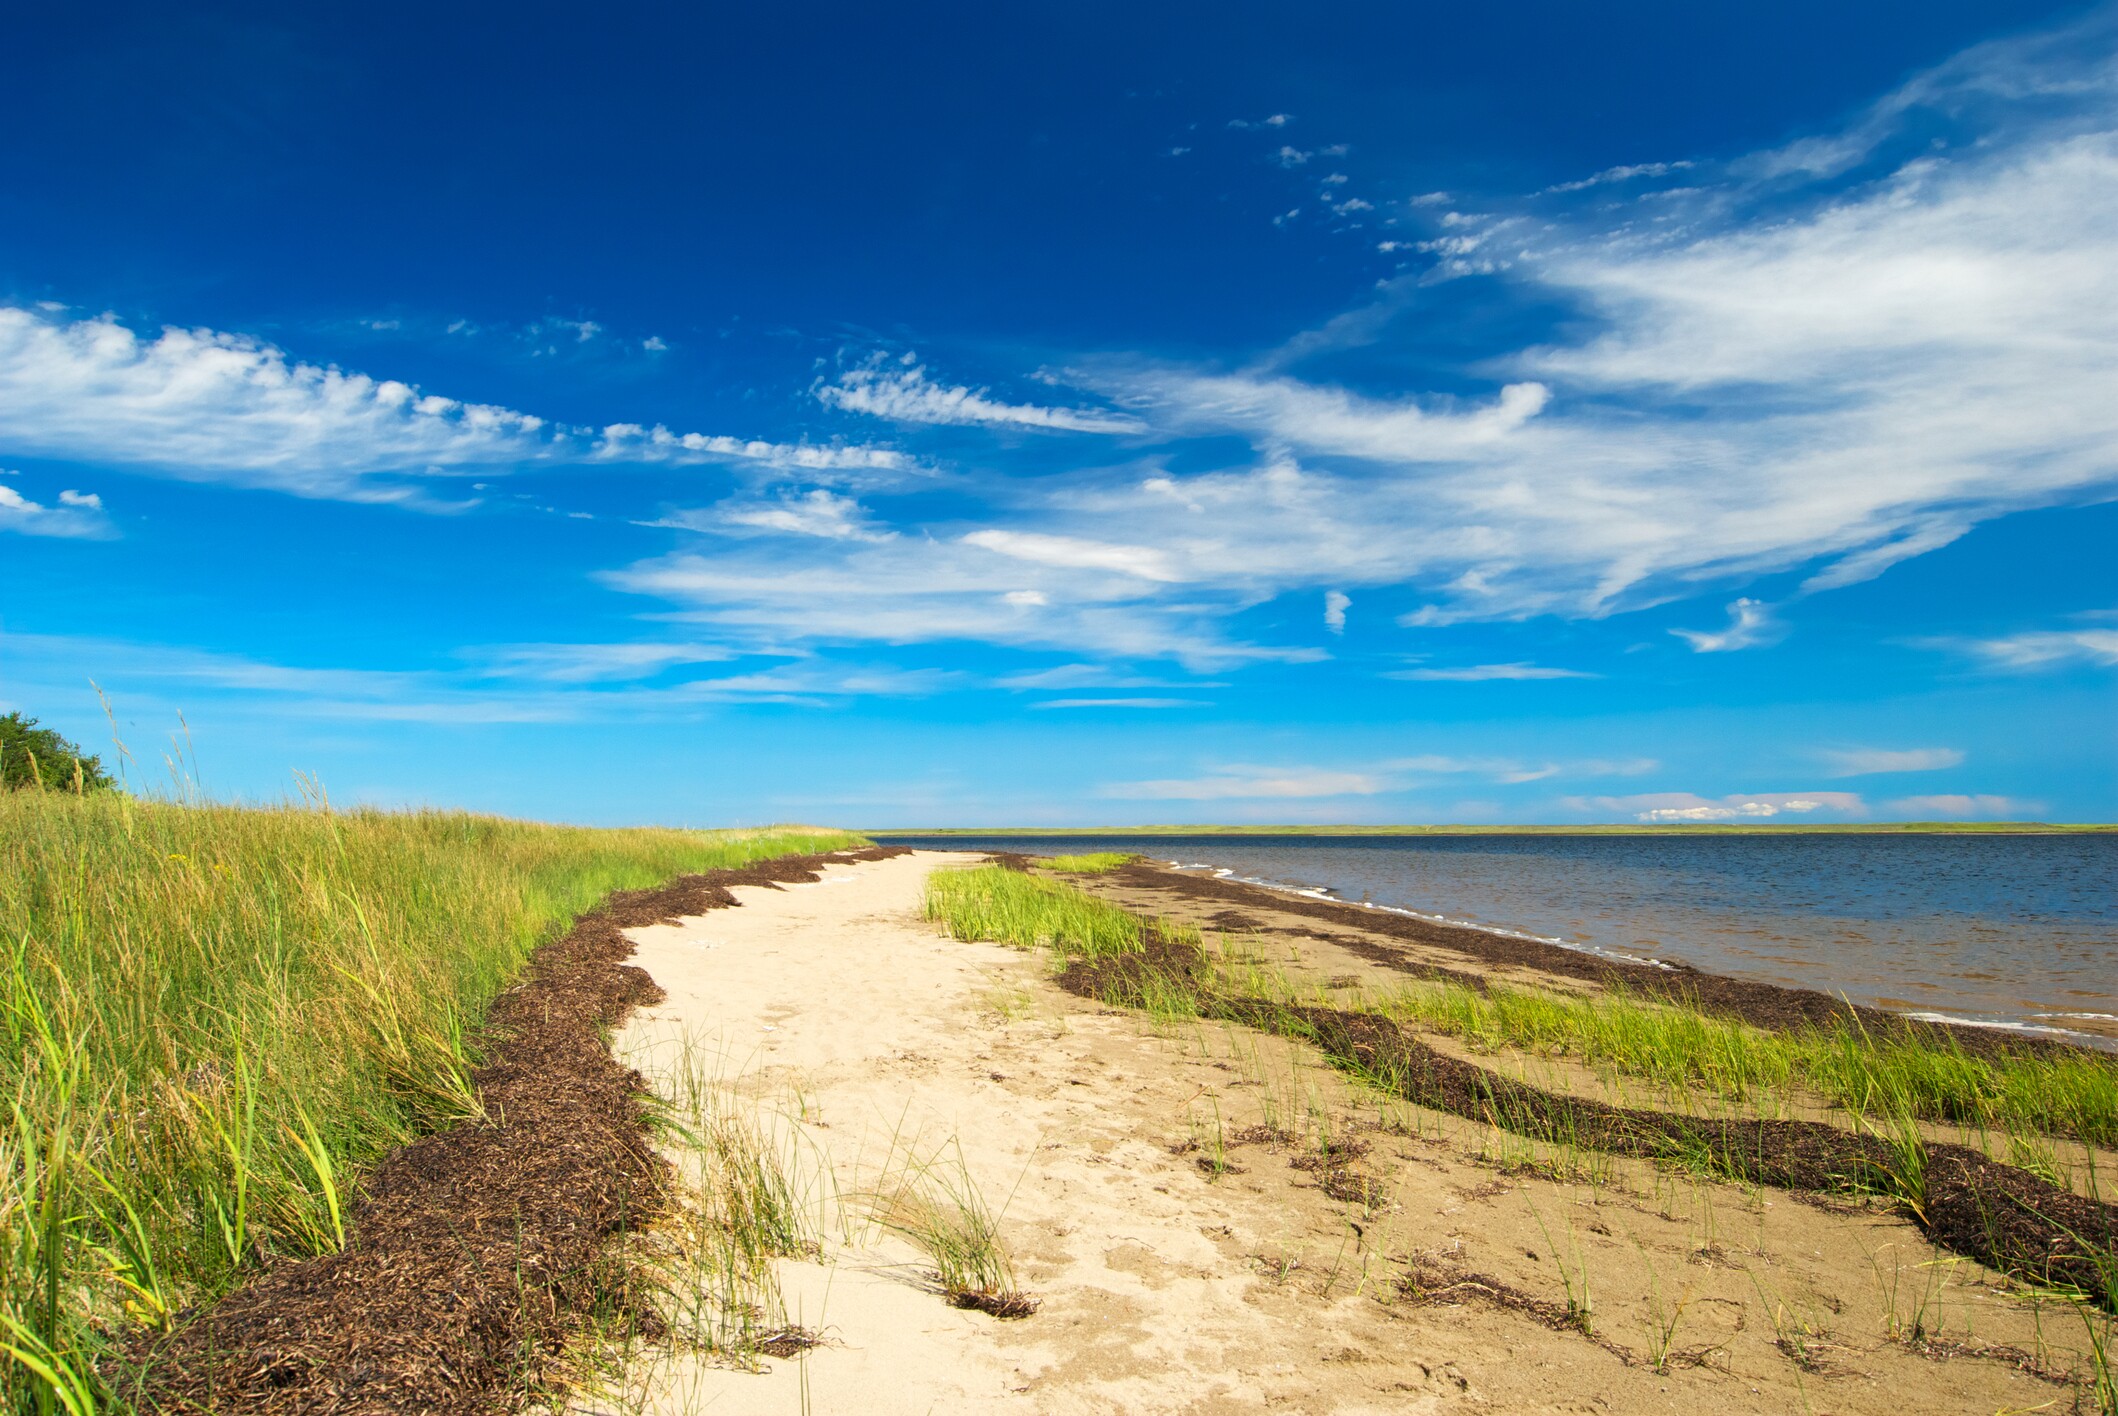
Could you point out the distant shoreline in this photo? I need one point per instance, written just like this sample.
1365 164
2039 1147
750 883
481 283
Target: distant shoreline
1898 828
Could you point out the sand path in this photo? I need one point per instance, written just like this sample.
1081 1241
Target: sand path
834 1009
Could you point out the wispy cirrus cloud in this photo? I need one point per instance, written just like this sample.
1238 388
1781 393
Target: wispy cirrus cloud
903 393
517 683
592 663
1866 761
2044 649
1122 703
818 512
1257 783
1953 806
1837 378
1065 676
1750 623
1249 781
1485 673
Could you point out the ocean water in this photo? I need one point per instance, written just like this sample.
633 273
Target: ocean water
2015 931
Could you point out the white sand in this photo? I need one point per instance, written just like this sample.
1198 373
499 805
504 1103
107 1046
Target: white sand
835 1005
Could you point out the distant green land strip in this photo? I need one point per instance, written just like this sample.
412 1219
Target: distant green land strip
1892 828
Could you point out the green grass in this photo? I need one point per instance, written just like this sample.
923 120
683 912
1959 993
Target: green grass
2070 1094
213 1019
1093 863
1029 912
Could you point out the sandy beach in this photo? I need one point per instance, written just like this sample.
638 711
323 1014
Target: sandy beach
1211 1219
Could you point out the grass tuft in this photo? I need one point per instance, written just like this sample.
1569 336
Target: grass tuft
1092 863
939 1209
992 902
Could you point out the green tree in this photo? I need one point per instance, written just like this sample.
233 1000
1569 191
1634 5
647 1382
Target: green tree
34 756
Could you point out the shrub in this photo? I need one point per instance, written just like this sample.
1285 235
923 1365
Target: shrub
31 756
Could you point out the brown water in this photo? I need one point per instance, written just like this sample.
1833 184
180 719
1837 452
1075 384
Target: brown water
2016 931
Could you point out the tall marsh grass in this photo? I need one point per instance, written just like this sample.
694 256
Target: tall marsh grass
2054 1093
213 1018
1093 862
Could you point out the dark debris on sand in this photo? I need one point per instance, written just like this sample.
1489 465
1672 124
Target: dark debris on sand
2001 1215
474 1252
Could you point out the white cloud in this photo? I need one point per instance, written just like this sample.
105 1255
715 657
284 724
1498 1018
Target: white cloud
591 663
201 405
1336 603
907 395
1121 703
1618 174
1236 782
913 590
1854 381
1291 156
814 513
1480 673
1143 561
1862 761
79 515
630 442
1826 380
1670 808
207 406
1253 782
1091 676
2049 649
1948 807
1750 623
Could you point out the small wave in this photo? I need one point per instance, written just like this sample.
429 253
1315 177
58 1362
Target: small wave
1576 946
2005 1025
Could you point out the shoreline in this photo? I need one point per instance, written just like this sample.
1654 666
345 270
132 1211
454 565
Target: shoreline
1886 982
1775 1006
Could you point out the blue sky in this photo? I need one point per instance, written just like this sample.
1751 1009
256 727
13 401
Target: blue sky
949 415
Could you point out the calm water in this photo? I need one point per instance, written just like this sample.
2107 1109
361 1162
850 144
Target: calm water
2009 929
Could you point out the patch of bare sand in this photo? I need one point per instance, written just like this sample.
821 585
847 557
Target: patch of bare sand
1183 1268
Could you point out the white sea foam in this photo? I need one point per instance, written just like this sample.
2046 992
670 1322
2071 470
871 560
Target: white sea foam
2006 1025
1325 893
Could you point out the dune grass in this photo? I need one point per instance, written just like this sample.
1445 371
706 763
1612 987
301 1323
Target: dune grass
1092 863
1030 912
212 1019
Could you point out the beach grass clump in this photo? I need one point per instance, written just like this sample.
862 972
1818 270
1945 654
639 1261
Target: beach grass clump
1011 907
1092 863
742 1200
1923 1074
936 1205
214 1019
